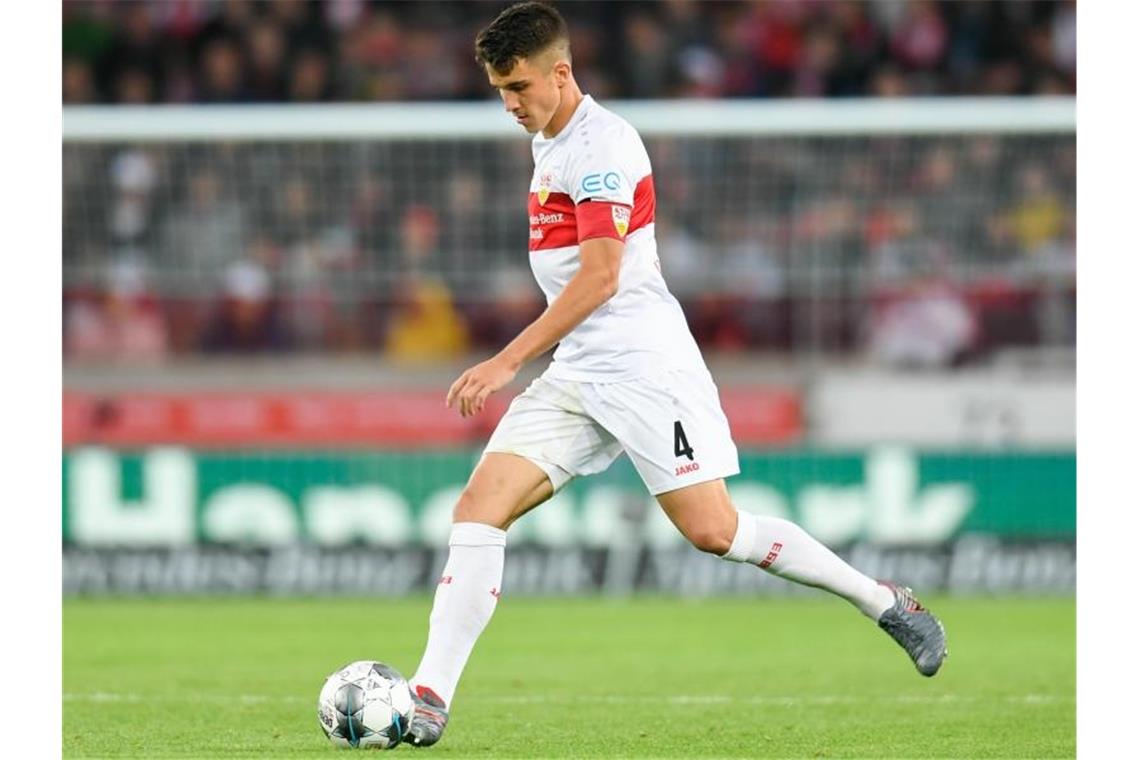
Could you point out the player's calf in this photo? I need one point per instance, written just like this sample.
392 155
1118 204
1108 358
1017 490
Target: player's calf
715 538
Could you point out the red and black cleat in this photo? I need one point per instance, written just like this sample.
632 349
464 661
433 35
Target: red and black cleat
429 720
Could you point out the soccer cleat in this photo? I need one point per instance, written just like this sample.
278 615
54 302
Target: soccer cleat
429 719
915 629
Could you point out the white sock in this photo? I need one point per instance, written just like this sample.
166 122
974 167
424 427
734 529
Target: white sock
464 602
785 549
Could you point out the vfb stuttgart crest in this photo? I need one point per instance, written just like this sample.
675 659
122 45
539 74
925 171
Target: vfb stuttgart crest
621 219
543 189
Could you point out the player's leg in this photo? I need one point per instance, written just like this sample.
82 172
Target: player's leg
673 428
502 488
704 514
542 442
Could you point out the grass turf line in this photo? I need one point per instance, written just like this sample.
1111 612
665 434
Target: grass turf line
219 678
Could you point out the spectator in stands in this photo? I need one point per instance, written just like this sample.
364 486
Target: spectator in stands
678 48
888 82
351 221
425 324
427 68
919 39
89 30
131 222
229 20
246 318
860 42
207 231
123 323
134 87
1038 216
465 217
817 71
311 77
78 82
1064 39
132 64
419 242
928 325
221 73
746 265
649 68
371 217
266 51
371 53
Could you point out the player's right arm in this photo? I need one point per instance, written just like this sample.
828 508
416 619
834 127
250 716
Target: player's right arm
601 188
595 282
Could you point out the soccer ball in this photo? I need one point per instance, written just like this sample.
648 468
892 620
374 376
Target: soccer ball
366 704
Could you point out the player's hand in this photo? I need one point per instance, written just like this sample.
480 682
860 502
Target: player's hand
471 390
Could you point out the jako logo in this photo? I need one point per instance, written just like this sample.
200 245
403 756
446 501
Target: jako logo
592 183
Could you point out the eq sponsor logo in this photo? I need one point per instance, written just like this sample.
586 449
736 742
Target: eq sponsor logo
593 183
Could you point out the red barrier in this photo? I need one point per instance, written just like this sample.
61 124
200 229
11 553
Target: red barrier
383 419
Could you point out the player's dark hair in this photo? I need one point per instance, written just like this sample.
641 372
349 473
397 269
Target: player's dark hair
519 32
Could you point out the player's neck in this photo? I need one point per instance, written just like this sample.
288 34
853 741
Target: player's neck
571 100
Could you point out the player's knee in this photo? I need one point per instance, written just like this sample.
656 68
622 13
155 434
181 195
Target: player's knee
712 538
471 508
467 508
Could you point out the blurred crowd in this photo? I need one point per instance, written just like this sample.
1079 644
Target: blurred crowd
919 251
247 51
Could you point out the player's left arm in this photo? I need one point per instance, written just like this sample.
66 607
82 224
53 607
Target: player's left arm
595 283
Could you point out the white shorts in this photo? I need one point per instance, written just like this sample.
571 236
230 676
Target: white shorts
670 424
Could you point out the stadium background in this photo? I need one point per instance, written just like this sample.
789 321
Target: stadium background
258 331
287 226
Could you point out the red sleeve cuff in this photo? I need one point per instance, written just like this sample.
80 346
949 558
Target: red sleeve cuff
598 219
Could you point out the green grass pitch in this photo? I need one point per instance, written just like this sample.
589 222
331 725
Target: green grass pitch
796 677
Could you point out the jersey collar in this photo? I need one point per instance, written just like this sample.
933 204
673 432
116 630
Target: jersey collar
579 113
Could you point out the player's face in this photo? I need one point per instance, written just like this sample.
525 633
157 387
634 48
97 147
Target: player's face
532 90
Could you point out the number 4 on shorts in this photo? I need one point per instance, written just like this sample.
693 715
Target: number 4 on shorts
681 445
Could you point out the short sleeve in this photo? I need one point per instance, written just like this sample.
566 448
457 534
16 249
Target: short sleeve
601 169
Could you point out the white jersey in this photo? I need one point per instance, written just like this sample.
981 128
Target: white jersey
593 179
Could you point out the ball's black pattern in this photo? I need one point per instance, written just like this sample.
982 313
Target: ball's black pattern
386 672
398 730
349 718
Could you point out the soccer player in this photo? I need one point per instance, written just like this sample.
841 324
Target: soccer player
627 376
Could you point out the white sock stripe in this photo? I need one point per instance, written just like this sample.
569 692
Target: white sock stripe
476 534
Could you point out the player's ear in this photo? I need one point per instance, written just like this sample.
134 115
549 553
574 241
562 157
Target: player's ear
561 72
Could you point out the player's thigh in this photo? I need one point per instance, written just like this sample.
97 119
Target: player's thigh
704 514
548 426
502 488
